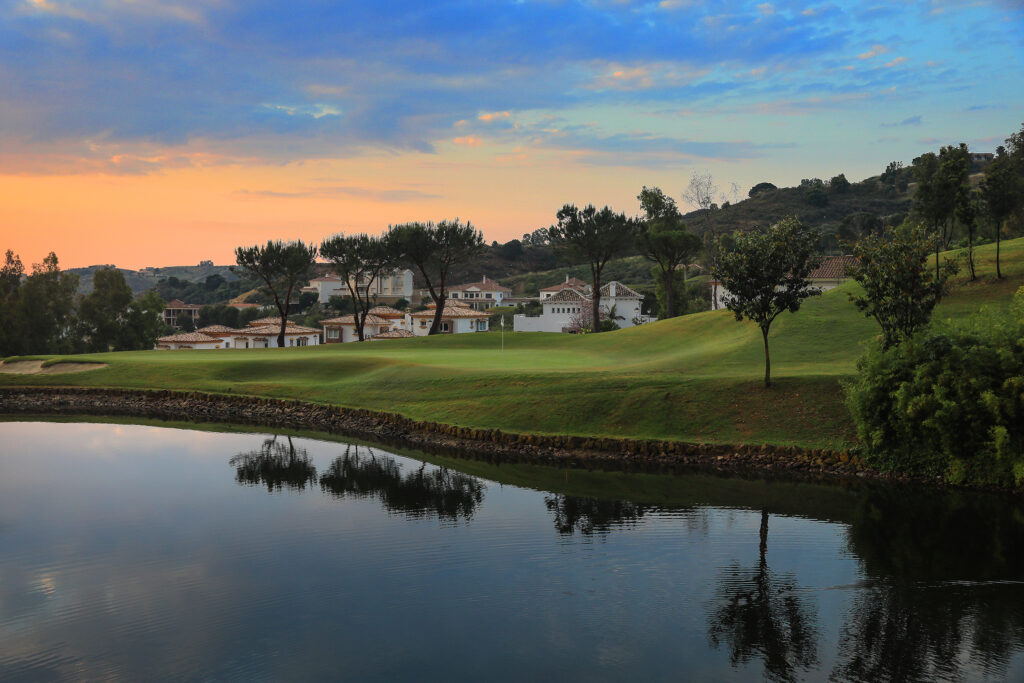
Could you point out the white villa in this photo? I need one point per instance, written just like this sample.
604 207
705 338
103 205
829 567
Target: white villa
393 286
479 295
569 308
383 322
259 334
456 318
570 283
829 275
379 320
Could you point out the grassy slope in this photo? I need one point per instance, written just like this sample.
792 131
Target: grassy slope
694 378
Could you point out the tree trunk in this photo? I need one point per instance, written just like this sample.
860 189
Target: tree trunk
970 254
435 326
595 304
999 273
767 360
284 326
669 296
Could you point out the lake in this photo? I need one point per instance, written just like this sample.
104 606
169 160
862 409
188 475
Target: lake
134 552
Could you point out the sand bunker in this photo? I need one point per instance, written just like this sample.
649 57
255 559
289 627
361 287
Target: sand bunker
35 367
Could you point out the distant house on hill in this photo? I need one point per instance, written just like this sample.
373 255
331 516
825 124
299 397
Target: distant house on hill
569 308
390 287
479 295
176 310
830 274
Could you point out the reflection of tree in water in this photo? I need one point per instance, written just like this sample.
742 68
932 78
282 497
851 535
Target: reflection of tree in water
275 464
759 615
589 515
439 491
939 605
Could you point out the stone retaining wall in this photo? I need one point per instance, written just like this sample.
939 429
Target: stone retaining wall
491 444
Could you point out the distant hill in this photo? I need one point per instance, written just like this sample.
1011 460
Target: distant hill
143 280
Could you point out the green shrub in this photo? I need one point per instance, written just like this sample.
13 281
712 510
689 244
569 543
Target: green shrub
947 402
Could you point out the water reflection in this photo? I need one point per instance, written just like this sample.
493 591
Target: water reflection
759 614
945 597
439 491
276 465
590 515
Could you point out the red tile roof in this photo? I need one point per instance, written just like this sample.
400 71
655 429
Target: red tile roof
484 285
386 312
566 296
451 310
571 283
188 338
350 320
833 268
393 334
621 291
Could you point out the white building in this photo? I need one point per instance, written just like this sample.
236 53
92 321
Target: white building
379 320
569 309
570 283
829 275
392 286
479 295
260 334
456 318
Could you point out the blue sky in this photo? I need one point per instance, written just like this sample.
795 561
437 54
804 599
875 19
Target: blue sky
616 91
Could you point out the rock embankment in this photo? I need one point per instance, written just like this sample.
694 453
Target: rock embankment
491 444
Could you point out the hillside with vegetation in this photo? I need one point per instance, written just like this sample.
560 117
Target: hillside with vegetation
693 378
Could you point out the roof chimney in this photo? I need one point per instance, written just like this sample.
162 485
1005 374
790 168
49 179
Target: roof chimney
567 278
611 288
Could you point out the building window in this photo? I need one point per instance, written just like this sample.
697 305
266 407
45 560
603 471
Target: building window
332 332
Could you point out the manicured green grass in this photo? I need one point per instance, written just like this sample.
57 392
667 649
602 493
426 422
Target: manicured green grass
695 378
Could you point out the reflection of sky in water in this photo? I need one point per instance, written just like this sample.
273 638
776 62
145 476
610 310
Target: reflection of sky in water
131 552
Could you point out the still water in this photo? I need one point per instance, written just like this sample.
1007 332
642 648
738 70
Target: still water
150 553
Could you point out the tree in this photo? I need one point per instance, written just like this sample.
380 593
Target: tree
359 260
765 274
10 282
433 250
46 309
899 293
701 193
144 322
593 236
967 211
761 188
281 267
855 226
1002 190
839 184
102 313
664 240
940 182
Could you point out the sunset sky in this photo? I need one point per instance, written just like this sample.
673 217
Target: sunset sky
147 133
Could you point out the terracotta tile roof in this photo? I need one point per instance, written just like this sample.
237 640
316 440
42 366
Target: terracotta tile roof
393 334
451 310
187 338
272 320
386 312
179 304
351 320
571 283
327 278
274 330
566 296
621 291
216 329
484 285
833 268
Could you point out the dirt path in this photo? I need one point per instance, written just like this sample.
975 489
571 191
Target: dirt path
35 367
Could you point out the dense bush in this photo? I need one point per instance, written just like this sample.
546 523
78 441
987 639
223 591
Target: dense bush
947 402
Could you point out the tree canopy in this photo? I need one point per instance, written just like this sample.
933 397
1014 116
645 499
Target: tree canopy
281 267
593 236
765 274
663 239
360 260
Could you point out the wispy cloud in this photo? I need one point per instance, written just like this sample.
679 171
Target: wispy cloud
909 121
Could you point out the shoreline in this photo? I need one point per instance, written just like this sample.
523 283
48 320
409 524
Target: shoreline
490 444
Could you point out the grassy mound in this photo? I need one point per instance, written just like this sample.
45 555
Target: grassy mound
695 378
